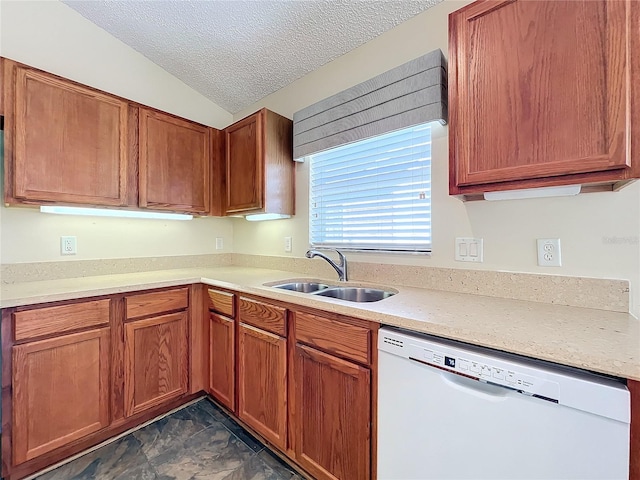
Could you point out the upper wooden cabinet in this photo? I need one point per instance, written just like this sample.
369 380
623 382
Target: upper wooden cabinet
259 165
67 143
64 143
175 163
543 93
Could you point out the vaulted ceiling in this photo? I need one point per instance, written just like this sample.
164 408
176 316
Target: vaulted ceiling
236 52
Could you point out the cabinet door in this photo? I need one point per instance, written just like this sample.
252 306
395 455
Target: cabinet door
539 89
331 416
244 165
175 157
222 358
65 142
262 383
52 378
156 361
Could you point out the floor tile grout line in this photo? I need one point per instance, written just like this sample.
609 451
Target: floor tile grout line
166 448
205 415
110 440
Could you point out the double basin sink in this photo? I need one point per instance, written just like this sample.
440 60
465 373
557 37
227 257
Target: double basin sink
350 294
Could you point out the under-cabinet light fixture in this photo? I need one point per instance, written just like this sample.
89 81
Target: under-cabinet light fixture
104 212
259 217
542 192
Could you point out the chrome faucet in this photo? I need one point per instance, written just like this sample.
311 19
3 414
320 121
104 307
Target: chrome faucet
341 268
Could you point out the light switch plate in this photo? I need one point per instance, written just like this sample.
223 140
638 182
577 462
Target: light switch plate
469 249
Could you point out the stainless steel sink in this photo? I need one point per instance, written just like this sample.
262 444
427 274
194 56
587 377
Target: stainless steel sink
321 289
304 287
356 294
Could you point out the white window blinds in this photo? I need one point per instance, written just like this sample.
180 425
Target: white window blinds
374 194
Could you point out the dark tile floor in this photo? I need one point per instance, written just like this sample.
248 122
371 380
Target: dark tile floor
197 442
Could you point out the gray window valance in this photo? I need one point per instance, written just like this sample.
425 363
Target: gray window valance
411 94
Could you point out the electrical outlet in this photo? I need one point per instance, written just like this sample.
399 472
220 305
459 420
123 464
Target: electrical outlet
287 244
549 254
219 243
68 246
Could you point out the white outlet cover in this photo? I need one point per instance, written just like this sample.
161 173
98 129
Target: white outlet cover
287 244
219 243
549 252
68 246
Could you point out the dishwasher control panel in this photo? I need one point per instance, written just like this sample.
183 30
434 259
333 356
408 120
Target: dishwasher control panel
471 362
566 386
489 370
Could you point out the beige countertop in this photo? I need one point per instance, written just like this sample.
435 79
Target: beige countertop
597 340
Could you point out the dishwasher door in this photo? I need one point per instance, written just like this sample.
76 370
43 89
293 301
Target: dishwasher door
434 424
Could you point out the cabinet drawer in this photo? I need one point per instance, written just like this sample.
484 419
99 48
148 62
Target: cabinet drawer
157 302
342 339
221 302
263 315
60 319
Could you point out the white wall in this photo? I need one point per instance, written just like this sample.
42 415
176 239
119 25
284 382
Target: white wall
599 232
51 36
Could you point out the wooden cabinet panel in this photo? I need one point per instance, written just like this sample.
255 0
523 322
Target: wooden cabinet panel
222 359
59 319
339 338
175 163
156 361
262 383
64 142
60 391
221 302
332 415
263 315
554 102
634 459
259 165
156 302
244 150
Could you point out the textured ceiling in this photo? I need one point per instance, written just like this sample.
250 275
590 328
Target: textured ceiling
237 52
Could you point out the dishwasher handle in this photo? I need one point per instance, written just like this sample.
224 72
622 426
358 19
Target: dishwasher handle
475 387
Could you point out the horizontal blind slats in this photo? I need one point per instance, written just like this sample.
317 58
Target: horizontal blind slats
374 194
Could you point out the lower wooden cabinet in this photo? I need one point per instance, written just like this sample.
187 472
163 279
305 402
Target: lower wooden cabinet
60 391
75 373
156 361
262 383
222 357
331 416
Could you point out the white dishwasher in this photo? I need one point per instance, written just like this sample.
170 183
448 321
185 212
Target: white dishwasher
448 410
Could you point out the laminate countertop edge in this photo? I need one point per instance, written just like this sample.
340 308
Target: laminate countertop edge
597 340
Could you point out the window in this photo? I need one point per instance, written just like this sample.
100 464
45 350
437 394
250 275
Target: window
374 194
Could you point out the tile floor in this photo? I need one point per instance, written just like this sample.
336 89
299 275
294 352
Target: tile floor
197 442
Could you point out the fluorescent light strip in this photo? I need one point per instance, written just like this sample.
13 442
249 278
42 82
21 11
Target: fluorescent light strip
534 193
103 212
258 217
